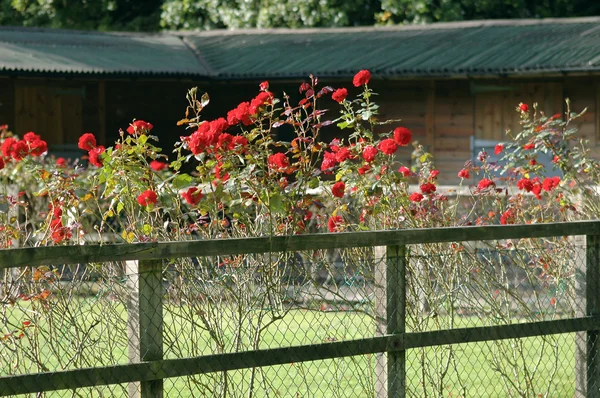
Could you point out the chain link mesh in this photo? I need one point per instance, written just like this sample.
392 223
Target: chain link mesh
81 316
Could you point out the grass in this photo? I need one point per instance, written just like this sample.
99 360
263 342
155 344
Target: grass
465 370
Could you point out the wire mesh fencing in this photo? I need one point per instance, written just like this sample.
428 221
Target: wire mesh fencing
308 323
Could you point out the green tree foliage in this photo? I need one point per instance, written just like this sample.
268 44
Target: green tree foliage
422 11
208 14
152 15
87 14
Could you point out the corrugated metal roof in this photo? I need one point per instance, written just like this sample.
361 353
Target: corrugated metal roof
472 48
63 51
450 49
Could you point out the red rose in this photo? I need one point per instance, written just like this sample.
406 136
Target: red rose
405 171
415 197
140 127
61 162
94 156
550 183
369 153
338 189
2 163
361 78
31 136
19 150
238 143
388 146
241 114
362 170
525 184
339 95
485 183
87 142
523 107
192 196
343 154
428 188
157 165
334 223
433 175
402 136
263 98
264 86
147 198
329 162
464 173
279 162
38 147
508 217
499 148
7 146
528 147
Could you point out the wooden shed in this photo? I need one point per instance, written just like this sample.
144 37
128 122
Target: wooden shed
450 83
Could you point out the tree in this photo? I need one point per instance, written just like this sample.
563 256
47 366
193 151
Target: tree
209 14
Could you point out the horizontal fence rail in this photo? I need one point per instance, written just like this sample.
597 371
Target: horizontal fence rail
195 248
148 368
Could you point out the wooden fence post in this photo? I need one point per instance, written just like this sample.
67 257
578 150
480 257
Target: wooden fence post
390 306
145 321
592 307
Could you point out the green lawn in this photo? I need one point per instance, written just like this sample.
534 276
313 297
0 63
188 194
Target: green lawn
464 371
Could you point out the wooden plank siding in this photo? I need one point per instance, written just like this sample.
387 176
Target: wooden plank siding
7 102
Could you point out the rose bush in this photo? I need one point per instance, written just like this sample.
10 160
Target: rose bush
233 177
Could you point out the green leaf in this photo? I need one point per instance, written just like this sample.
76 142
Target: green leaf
314 183
120 207
143 139
146 229
276 203
181 181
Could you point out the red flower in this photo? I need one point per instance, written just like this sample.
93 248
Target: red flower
464 173
61 162
31 136
38 147
339 95
264 86
433 175
485 183
529 146
147 198
361 78
338 189
388 146
362 170
58 231
192 196
241 114
428 188
2 163
157 165
19 150
263 98
415 197
525 184
343 154
329 162
402 136
498 149
508 217
87 142
405 171
369 153
334 223
279 162
238 143
7 146
94 156
523 107
550 183
140 127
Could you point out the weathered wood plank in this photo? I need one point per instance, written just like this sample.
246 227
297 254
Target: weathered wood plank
161 250
162 369
592 308
396 317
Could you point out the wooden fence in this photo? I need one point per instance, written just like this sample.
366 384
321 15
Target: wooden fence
147 368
